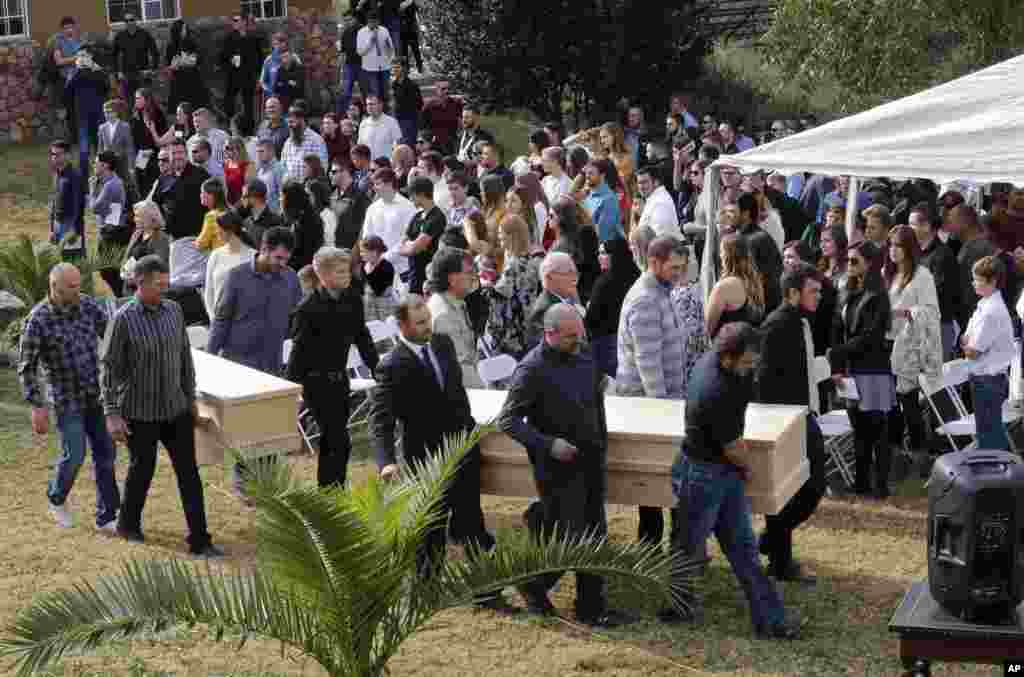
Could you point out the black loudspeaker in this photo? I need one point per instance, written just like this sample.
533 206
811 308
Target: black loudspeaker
976 534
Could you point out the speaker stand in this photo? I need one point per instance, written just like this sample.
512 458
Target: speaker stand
927 633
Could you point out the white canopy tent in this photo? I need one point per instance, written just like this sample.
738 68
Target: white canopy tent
969 128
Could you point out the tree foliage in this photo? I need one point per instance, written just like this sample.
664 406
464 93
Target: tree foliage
537 55
879 50
336 576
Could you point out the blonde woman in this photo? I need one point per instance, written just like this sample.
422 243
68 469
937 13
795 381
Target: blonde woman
149 238
514 291
492 197
739 295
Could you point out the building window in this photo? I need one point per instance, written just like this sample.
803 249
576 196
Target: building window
13 18
144 10
264 9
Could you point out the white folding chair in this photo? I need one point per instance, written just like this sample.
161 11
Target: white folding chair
955 373
837 431
198 336
359 384
309 428
383 331
496 369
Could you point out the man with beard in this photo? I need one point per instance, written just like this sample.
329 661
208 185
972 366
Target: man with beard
601 202
423 368
785 375
709 473
183 211
659 209
302 141
472 134
349 205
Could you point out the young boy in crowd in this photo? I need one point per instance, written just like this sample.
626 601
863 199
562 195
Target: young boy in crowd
988 345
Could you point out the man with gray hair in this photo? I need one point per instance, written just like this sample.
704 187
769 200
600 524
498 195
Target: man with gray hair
558 277
555 408
325 326
62 335
651 350
452 278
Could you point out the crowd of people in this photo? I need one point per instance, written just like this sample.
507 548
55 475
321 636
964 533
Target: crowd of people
579 259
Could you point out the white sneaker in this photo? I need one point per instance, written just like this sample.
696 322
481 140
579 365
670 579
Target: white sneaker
62 516
109 528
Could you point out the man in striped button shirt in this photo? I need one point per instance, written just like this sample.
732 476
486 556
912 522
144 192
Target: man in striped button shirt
149 396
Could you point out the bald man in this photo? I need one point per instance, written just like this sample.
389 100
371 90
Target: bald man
62 334
555 409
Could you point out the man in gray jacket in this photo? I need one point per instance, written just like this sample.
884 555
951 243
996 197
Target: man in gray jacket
651 345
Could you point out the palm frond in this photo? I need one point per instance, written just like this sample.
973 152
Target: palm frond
150 597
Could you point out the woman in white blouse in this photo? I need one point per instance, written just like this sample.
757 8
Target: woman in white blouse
915 333
224 258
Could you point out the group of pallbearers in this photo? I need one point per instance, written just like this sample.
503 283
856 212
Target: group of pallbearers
555 409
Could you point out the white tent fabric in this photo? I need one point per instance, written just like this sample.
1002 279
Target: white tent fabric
969 128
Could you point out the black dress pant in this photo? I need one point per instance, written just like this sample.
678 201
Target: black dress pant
191 302
247 89
874 455
461 515
651 524
572 503
778 534
178 436
411 41
328 401
907 417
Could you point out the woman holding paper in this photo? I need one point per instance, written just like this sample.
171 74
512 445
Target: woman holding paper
860 359
149 238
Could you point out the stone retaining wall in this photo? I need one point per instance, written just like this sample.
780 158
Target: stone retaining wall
26 111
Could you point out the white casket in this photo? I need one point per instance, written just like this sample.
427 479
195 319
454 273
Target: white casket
644 436
244 409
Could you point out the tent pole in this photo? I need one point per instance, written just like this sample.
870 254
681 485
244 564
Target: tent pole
853 236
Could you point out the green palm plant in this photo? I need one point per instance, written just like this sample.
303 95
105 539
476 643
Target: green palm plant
25 267
336 576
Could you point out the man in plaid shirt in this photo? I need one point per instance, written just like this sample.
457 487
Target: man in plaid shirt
62 335
302 141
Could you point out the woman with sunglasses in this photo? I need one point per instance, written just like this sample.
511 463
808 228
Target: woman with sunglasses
862 353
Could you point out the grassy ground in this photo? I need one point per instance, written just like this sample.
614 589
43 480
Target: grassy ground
864 553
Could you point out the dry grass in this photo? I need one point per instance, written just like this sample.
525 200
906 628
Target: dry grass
864 553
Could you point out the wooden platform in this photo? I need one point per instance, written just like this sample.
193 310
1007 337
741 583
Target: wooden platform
644 436
244 409
929 633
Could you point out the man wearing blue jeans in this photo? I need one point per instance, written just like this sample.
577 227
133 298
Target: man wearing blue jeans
989 348
376 49
352 70
708 477
62 334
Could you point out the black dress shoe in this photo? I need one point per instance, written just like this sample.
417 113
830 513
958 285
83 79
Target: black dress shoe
786 630
792 573
606 619
498 604
129 535
209 552
693 615
537 604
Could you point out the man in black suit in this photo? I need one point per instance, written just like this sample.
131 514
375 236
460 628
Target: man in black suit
471 134
420 384
257 215
183 211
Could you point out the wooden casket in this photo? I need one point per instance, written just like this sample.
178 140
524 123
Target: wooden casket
244 409
643 439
